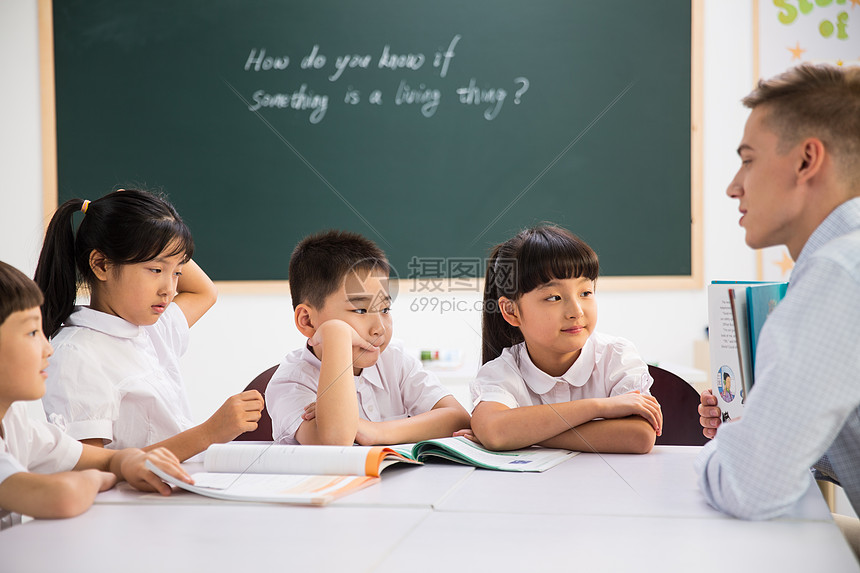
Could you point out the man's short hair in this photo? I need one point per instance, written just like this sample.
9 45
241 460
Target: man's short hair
17 292
320 263
815 101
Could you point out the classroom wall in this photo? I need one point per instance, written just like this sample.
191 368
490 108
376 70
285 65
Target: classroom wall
244 334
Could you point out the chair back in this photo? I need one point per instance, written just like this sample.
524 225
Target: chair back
680 403
263 433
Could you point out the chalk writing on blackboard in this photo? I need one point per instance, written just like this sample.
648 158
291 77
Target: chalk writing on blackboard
419 93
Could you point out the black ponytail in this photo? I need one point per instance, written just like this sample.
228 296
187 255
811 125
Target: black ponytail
530 259
126 226
496 332
55 272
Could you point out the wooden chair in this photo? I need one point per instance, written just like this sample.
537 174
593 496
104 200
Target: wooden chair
680 403
263 433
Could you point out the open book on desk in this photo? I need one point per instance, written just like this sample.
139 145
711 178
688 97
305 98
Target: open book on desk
465 451
309 475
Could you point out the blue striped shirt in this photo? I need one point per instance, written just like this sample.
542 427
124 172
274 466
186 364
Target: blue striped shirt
805 408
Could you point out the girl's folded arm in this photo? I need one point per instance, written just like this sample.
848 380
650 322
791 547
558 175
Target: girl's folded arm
501 428
631 435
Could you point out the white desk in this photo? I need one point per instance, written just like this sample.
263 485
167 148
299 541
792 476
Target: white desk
660 484
578 516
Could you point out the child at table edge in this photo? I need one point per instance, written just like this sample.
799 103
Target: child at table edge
351 383
549 379
43 472
115 380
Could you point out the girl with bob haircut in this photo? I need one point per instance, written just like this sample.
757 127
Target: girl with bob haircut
547 377
114 379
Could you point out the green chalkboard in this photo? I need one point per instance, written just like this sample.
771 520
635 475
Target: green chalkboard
437 128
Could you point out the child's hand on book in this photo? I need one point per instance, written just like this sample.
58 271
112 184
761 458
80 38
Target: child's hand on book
130 464
709 414
468 434
635 404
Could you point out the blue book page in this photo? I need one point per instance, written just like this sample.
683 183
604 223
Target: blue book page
761 301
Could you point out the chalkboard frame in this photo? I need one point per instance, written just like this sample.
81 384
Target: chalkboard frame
610 283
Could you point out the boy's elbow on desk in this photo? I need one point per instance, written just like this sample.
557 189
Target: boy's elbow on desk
310 434
67 501
57 496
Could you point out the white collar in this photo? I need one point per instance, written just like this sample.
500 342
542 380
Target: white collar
86 317
540 382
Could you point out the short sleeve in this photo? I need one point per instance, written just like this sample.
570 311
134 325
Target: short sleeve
32 445
172 329
81 399
9 466
496 382
624 370
36 445
291 388
421 390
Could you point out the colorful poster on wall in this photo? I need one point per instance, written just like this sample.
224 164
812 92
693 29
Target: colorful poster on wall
791 32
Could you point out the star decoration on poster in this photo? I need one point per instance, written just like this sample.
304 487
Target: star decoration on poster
797 51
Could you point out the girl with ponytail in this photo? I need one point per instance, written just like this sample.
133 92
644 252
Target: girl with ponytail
114 379
547 378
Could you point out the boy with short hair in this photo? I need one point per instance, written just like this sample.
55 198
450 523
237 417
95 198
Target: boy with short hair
348 384
27 445
799 186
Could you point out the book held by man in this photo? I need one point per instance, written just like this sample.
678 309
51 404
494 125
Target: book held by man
736 315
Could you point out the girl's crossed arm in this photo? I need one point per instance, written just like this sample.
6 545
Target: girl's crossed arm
499 427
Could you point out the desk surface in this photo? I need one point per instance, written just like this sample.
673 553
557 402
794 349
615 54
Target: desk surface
616 513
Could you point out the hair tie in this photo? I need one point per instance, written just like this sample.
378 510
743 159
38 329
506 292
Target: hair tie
85 206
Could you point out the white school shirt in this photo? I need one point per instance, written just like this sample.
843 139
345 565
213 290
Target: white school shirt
607 366
117 381
28 445
396 387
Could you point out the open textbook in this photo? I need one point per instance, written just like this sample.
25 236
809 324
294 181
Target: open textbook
464 451
310 475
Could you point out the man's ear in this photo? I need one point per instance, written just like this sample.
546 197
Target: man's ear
812 153
306 320
99 265
509 311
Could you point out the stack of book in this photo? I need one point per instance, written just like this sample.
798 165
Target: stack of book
736 314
